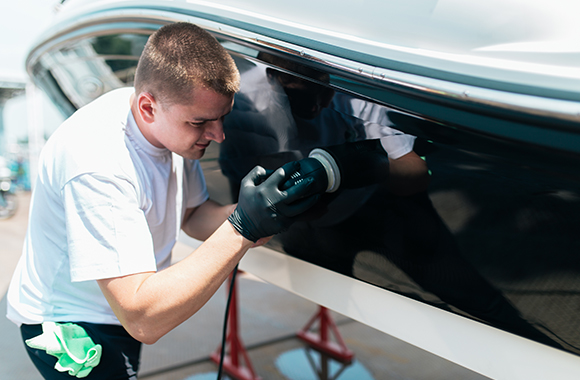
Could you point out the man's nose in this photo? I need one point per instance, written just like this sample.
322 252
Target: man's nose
215 131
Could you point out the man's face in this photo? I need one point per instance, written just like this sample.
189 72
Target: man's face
187 129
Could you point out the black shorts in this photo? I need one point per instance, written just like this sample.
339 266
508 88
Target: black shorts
119 360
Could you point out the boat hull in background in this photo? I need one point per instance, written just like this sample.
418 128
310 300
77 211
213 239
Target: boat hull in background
483 267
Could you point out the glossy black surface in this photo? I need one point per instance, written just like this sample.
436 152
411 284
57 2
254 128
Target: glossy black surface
494 238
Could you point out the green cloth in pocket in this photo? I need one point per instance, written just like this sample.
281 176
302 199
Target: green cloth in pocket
69 343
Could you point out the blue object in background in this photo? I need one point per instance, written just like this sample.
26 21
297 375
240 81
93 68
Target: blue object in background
21 172
203 376
296 365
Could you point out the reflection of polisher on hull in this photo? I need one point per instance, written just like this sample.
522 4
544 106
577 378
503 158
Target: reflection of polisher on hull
347 166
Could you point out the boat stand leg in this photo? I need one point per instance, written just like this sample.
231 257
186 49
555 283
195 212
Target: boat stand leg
236 363
322 369
335 349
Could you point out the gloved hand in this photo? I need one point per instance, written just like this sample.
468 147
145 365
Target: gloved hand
264 209
309 167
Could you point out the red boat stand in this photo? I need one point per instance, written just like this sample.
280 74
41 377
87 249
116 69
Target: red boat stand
336 350
236 356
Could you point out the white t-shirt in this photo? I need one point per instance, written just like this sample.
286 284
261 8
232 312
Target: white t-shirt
106 204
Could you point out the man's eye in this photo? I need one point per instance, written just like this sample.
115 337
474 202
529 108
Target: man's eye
197 124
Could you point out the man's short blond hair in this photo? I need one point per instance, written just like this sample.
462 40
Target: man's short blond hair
180 57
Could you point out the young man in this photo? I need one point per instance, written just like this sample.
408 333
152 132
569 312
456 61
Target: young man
117 182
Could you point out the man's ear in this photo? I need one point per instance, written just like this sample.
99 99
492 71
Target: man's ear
147 107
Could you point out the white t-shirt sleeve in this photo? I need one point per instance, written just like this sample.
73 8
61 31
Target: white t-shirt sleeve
107 232
196 187
395 142
377 122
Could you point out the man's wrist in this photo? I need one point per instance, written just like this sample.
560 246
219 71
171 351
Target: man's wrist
236 222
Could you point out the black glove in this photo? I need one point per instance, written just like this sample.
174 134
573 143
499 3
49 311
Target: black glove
309 167
264 209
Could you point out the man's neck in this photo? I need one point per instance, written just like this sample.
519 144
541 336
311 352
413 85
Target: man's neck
143 127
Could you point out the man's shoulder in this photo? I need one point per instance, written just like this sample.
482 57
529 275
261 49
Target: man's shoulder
111 106
93 138
105 114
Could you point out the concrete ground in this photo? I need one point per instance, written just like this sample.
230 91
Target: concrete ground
269 320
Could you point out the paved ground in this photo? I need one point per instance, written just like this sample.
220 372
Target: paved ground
269 319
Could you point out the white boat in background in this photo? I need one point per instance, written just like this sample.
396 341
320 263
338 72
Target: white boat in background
488 276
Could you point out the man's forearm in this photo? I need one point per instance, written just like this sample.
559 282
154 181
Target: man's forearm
408 175
201 222
149 305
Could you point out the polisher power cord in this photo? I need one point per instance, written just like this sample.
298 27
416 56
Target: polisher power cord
224 332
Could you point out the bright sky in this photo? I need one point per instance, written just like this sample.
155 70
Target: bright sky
21 24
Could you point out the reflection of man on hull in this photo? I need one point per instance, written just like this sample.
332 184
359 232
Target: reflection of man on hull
280 117
380 207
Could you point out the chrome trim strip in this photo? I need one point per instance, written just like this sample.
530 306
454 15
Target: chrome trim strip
559 109
529 104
